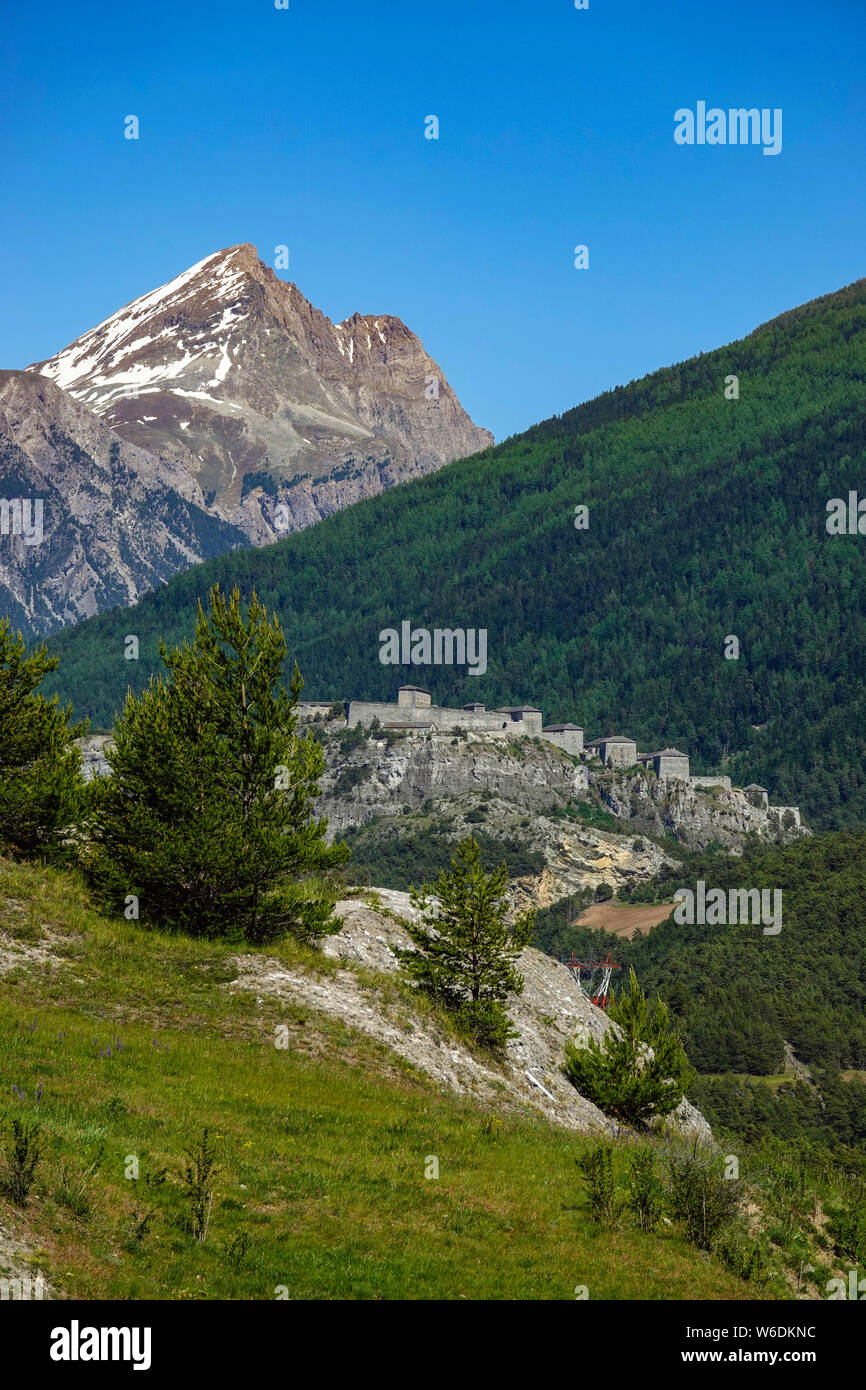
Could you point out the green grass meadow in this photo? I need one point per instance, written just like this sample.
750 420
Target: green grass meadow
323 1146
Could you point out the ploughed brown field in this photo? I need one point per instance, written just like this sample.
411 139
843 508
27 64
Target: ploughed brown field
623 920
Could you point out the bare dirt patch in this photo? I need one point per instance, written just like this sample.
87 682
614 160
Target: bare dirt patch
625 920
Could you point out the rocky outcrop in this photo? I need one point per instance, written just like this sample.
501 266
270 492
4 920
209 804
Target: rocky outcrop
394 784
409 770
551 1011
94 761
695 816
281 416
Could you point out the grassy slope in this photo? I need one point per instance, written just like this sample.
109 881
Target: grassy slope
322 1146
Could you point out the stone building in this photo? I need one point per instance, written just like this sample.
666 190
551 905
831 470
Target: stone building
668 762
415 709
568 737
413 697
527 717
614 750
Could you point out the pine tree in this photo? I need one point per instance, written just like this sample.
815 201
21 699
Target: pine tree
40 767
464 948
204 825
639 1071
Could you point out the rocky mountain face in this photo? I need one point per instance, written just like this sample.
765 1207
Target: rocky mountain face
87 519
393 772
395 792
279 415
397 784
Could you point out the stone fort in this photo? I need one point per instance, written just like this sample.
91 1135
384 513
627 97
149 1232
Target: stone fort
414 711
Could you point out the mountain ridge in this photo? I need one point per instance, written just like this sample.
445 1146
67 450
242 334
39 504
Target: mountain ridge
267 398
707 519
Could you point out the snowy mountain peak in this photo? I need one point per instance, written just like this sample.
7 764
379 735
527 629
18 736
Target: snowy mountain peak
157 337
260 391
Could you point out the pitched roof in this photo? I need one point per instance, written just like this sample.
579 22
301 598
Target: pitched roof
662 753
419 688
561 728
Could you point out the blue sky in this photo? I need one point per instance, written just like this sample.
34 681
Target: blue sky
306 128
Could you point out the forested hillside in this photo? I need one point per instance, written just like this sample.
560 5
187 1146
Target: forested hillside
707 518
738 996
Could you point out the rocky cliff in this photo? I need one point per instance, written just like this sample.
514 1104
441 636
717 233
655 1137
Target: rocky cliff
396 770
410 769
116 519
580 827
395 789
695 816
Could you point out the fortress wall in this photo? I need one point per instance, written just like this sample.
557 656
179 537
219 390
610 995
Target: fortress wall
365 711
486 723
308 709
569 742
711 782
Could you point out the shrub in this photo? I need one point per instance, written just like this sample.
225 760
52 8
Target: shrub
743 1257
639 1071
143 1213
351 777
847 1226
349 739
645 1190
237 1251
596 1170
485 1022
22 1157
200 1175
701 1197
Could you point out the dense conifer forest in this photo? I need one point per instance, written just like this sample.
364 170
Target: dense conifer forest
738 996
707 518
